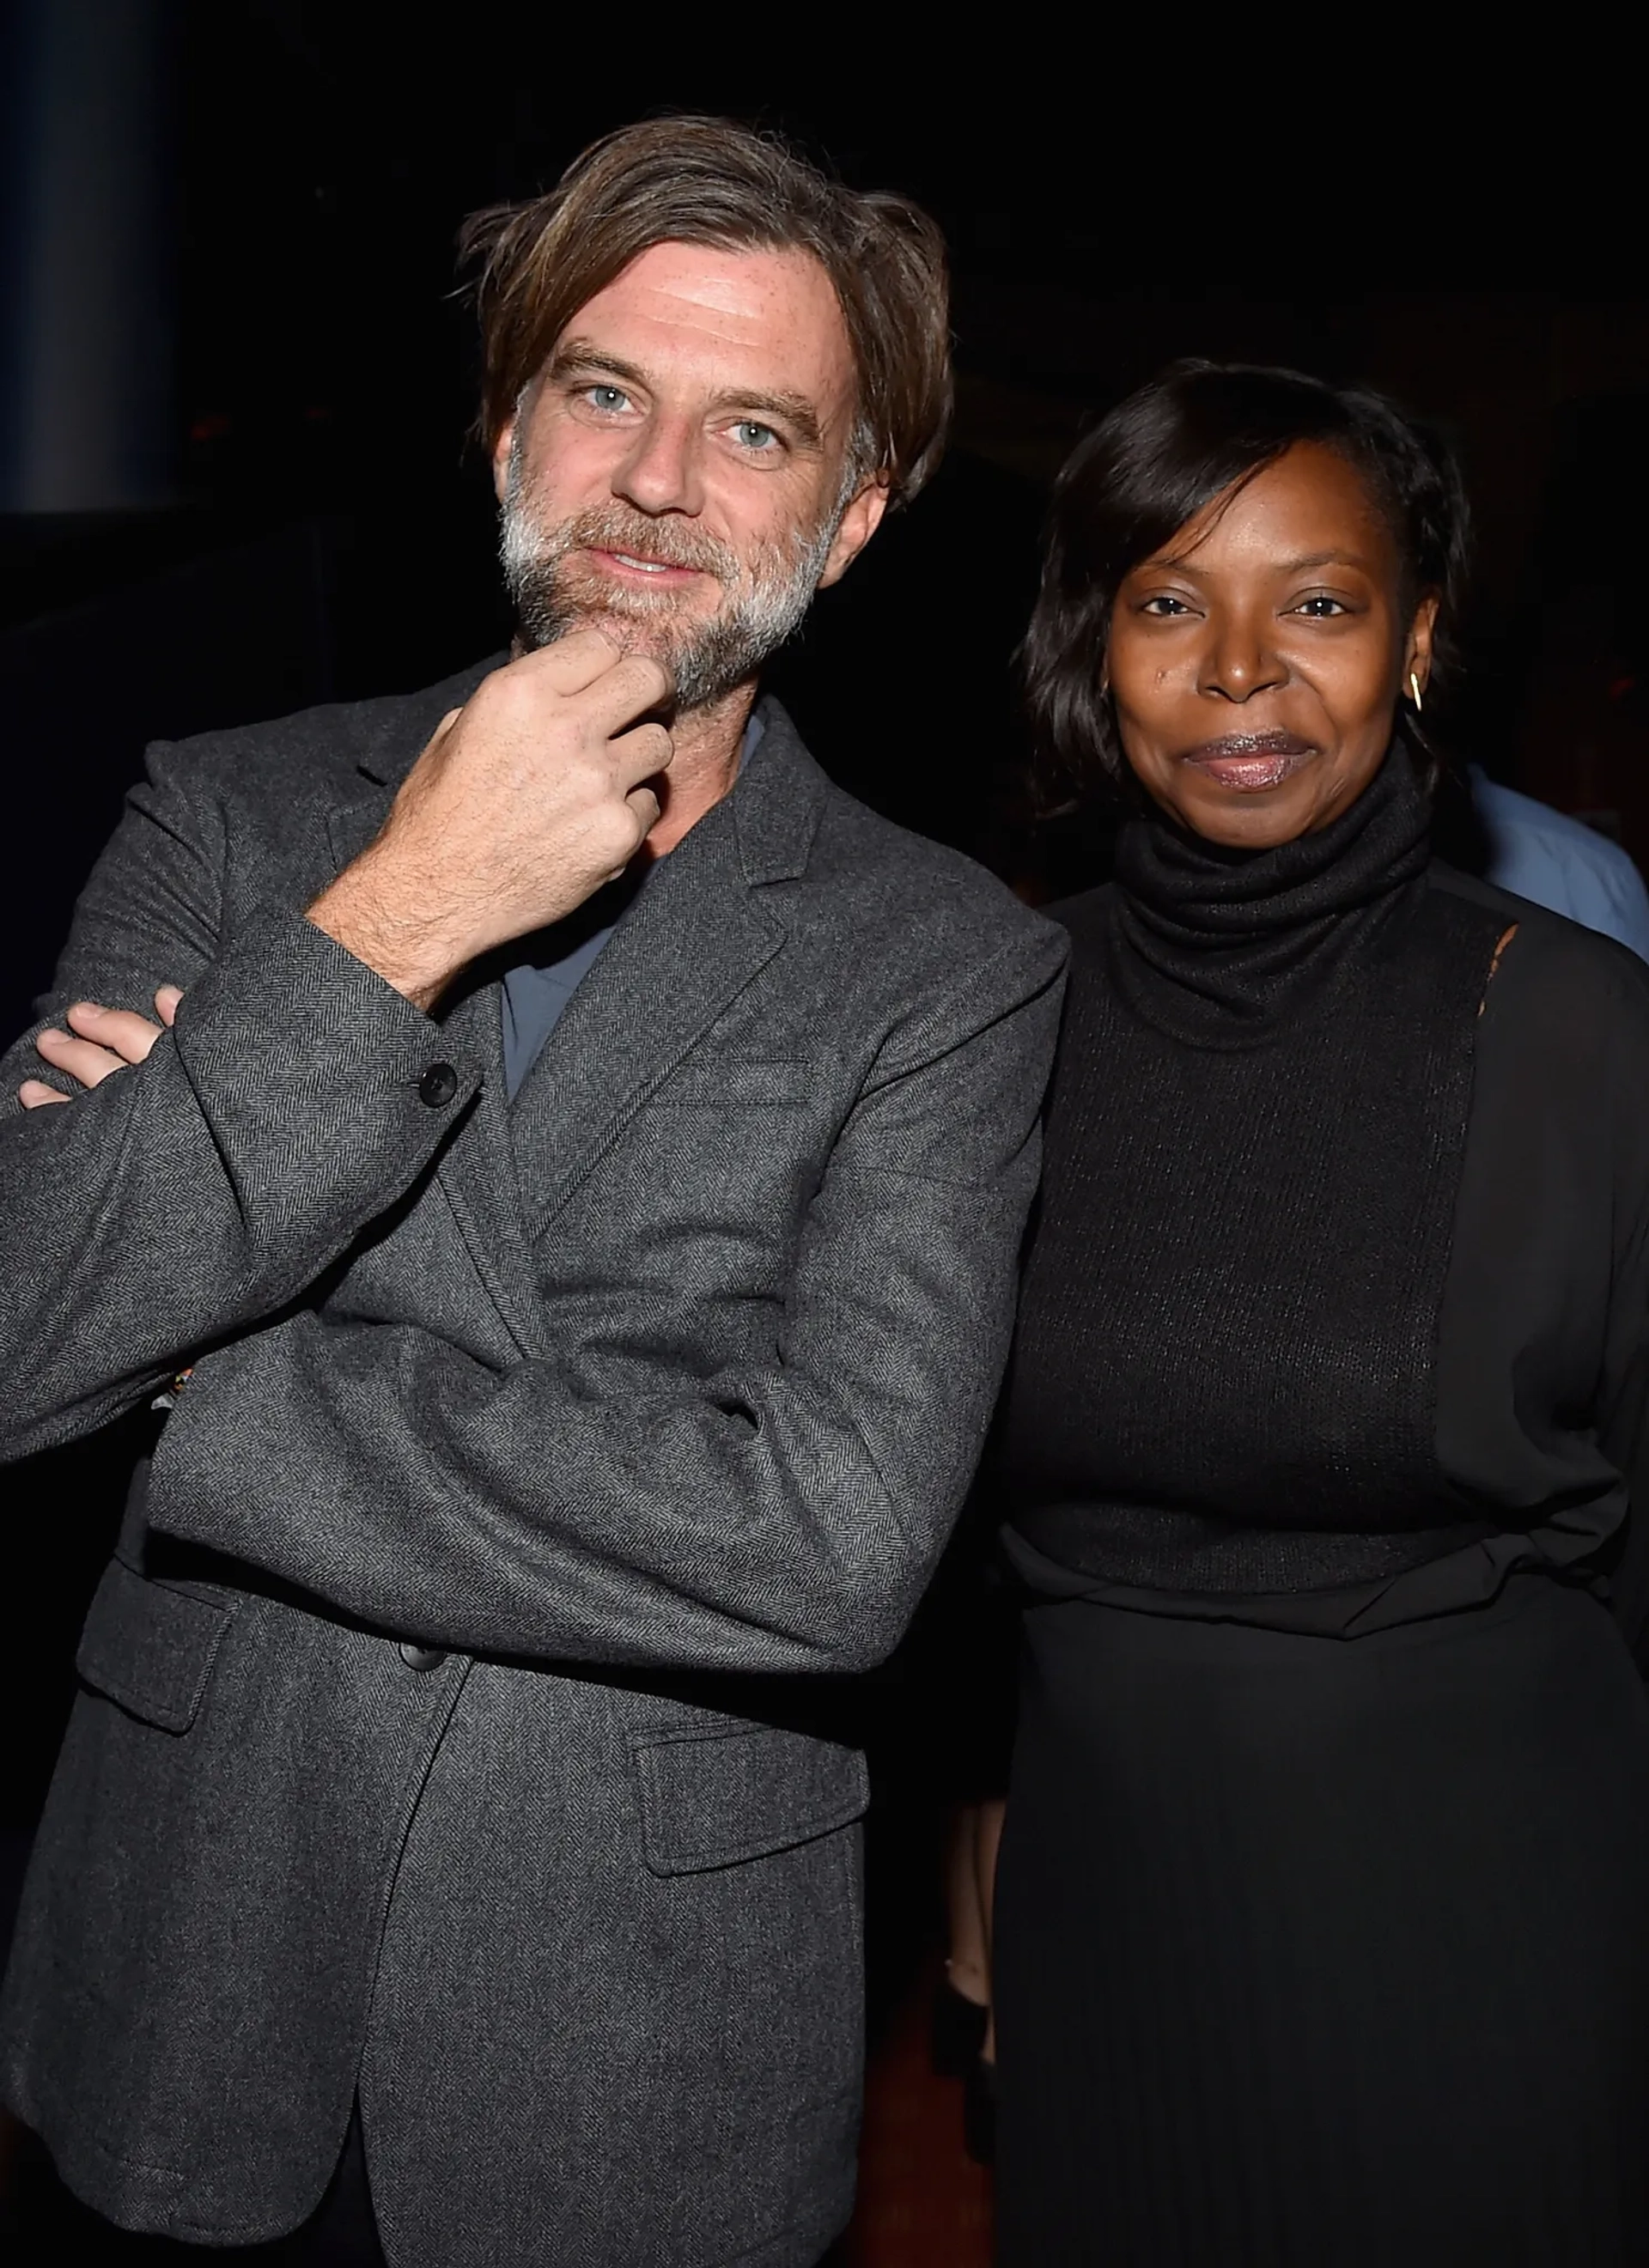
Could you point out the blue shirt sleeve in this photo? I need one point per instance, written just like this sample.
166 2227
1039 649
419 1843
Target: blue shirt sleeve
1558 862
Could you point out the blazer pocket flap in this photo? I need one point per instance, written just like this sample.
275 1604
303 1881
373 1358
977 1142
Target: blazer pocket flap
710 1799
148 1647
738 1082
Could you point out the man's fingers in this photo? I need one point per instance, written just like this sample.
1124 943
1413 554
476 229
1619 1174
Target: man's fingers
630 689
98 1041
642 753
129 1036
644 804
619 686
568 664
80 1058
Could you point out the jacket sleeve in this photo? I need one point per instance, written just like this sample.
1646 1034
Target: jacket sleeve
188 1196
778 1518
1624 1400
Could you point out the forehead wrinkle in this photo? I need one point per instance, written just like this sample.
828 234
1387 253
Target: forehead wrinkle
741 283
750 298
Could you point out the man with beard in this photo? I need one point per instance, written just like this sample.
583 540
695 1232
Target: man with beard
562 1203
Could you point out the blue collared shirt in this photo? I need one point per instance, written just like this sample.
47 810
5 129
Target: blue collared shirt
1562 863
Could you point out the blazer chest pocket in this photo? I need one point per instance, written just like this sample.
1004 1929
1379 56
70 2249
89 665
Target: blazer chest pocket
150 1648
737 1083
714 1799
725 1144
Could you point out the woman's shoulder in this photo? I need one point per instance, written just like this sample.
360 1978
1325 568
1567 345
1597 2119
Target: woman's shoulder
1555 969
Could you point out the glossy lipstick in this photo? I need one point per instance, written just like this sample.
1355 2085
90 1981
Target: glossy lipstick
1251 763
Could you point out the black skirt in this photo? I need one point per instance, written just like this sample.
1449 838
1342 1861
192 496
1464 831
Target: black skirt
1324 1951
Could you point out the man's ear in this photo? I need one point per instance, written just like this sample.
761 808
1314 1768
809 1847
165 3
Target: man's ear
501 449
860 522
1416 658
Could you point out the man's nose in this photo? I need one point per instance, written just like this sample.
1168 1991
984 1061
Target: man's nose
661 472
1240 659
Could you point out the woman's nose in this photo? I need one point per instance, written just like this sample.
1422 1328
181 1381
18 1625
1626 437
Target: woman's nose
1240 660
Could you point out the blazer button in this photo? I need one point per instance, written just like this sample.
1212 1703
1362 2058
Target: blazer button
438 1084
420 1657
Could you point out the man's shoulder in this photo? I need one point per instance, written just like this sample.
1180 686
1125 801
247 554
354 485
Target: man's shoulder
334 749
1559 862
1569 839
1511 807
887 879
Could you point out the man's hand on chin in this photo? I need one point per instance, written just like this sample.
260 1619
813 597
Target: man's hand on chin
525 802
98 1041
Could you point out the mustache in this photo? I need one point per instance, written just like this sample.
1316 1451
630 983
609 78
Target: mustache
612 528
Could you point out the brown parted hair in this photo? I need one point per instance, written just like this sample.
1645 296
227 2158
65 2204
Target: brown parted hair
692 179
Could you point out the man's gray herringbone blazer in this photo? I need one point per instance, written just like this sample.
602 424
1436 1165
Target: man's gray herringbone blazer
459 1716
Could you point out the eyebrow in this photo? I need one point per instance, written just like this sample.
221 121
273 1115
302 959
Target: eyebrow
1326 559
1300 566
792 410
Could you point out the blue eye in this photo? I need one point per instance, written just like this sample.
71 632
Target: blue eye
606 397
751 434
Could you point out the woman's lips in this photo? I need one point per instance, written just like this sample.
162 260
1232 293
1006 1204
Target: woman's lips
1251 762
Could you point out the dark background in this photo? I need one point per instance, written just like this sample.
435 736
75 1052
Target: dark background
235 383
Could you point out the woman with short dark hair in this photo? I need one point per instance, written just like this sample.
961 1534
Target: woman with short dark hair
1322 1932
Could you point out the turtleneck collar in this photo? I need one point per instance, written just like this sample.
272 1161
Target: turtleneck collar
1218 946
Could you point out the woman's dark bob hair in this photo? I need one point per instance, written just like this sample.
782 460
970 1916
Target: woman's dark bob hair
1152 465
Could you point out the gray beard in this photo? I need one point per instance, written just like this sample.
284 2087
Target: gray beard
763 601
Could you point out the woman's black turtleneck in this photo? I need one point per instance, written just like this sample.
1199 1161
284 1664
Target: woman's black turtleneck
1296 1340
1220 948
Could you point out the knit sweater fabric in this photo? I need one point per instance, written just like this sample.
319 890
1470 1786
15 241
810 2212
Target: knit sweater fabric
1224 1377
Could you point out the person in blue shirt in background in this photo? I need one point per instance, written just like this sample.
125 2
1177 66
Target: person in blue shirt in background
1560 863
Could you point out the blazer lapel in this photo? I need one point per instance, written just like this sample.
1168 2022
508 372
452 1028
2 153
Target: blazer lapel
698 934
690 943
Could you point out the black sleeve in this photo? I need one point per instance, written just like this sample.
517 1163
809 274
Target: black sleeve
1623 1415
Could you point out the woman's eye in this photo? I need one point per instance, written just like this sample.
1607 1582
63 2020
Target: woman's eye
1164 605
1321 608
750 433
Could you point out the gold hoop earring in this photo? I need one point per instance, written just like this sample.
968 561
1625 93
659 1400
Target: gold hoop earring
1414 688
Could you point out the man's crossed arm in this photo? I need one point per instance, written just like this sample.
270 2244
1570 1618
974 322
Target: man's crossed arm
777 1517
212 1166
244 1146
